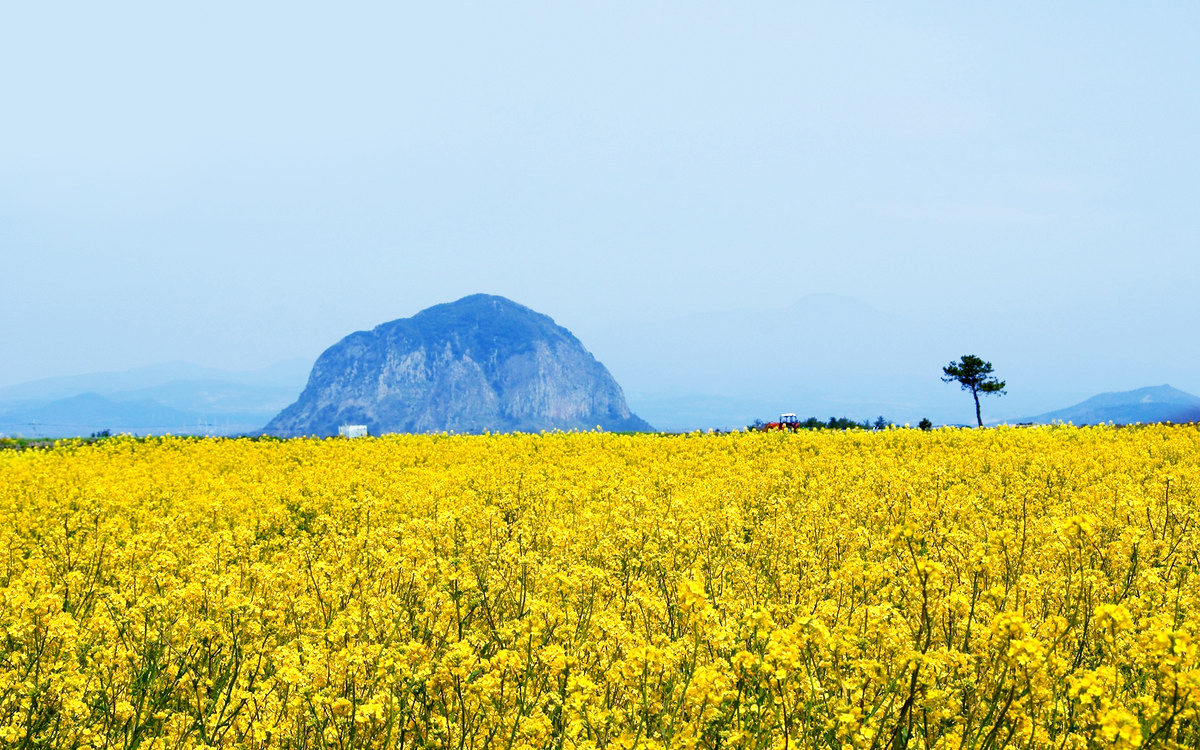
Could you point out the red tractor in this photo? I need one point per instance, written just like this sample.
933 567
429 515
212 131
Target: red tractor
786 422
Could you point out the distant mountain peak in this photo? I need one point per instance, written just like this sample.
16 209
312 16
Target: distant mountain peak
1164 394
480 363
1157 403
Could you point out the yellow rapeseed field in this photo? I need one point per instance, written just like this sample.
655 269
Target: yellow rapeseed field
1001 588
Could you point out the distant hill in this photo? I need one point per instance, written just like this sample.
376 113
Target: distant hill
287 374
1160 403
90 412
481 363
176 397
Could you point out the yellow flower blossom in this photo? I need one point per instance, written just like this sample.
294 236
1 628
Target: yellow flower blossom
1038 588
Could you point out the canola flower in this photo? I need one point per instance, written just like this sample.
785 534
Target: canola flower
1008 588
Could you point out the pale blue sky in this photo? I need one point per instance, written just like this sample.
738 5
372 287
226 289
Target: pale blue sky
235 184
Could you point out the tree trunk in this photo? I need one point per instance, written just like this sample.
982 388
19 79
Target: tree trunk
978 418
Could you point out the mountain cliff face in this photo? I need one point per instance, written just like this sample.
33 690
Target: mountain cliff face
481 363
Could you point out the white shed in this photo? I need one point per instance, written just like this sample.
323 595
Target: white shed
353 430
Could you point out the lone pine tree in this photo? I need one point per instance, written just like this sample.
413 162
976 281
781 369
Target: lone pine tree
975 376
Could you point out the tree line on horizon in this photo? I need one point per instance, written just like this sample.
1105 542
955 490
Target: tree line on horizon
833 423
970 372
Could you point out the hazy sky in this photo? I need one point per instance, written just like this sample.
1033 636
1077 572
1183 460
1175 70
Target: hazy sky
235 184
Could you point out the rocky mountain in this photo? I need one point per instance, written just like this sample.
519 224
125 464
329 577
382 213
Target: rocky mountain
481 363
1160 403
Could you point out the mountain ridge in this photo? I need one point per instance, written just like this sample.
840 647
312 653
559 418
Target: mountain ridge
174 397
1158 403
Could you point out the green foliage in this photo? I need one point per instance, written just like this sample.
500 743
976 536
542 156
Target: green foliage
974 375
20 444
842 423
833 423
925 424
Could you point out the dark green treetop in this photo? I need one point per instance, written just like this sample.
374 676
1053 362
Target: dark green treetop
975 376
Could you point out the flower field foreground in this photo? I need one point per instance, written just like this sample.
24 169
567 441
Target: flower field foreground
980 589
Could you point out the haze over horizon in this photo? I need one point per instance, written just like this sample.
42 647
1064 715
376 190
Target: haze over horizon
825 355
237 186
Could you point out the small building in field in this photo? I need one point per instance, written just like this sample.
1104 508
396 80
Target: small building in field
352 430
